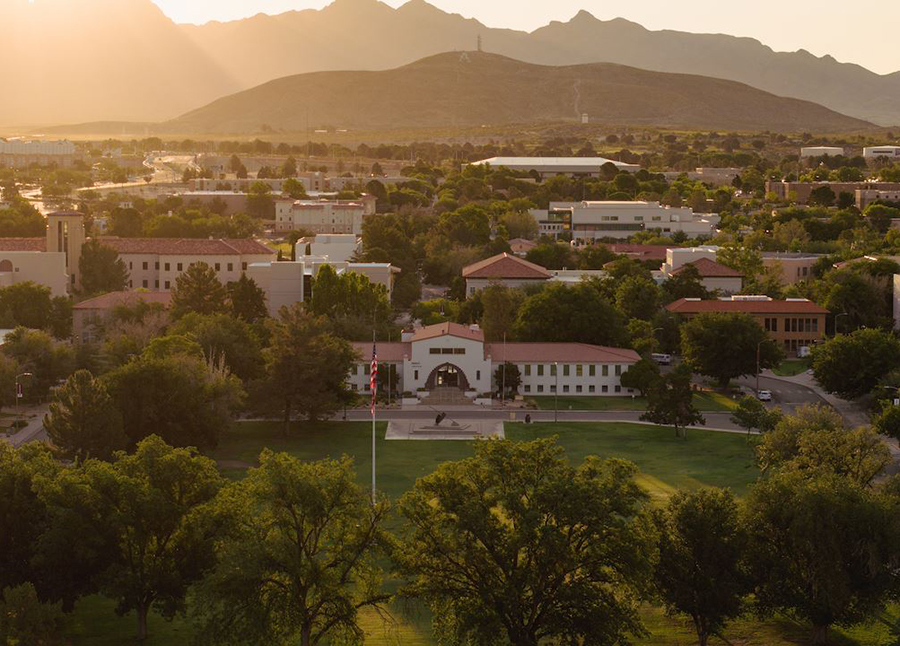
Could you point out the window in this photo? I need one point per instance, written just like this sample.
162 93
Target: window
144 284
168 285
552 388
540 388
244 266
565 388
540 370
578 389
130 267
605 389
367 369
129 284
156 266
527 369
145 266
179 266
218 267
552 369
592 388
527 388
434 350
156 284
416 375
231 266
618 389
478 375
579 370
354 386
459 350
618 370
592 370
565 370
605 370
815 325
168 266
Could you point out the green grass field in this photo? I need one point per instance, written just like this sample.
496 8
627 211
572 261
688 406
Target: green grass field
706 458
792 367
705 401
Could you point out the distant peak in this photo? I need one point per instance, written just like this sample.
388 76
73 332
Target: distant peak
584 16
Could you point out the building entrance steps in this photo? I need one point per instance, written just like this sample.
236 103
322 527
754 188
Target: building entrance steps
447 396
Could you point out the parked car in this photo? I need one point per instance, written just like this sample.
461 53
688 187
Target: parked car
662 359
764 395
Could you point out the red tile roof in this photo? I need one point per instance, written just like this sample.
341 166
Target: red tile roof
448 329
694 306
506 266
23 244
186 246
711 269
562 352
114 299
386 351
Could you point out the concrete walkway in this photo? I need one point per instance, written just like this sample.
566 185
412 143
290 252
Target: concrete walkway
34 431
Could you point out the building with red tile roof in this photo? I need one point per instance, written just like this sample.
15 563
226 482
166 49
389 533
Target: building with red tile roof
504 269
89 315
794 323
449 355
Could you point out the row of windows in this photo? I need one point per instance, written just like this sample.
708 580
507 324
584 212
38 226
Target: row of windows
180 266
447 350
578 389
567 369
792 325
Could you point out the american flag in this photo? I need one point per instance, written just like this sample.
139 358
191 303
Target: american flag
373 379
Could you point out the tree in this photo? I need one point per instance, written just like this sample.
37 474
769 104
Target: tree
185 401
822 196
851 365
289 168
83 422
887 421
126 223
555 255
516 544
294 189
36 352
670 402
821 549
27 304
25 620
642 376
9 368
306 366
699 572
726 345
501 305
101 269
520 224
687 283
815 440
198 290
351 303
753 414
580 313
247 300
221 336
297 560
151 508
637 297
595 256
508 378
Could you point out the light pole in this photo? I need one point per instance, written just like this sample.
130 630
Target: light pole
556 392
24 374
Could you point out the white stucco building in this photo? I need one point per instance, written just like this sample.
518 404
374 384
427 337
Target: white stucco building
874 152
453 356
593 221
714 276
553 166
324 216
821 151
17 153
337 247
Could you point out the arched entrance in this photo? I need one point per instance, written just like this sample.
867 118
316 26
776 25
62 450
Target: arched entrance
447 376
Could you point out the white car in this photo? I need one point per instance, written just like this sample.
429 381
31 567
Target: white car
764 395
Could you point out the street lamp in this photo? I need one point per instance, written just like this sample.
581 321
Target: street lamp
556 392
24 374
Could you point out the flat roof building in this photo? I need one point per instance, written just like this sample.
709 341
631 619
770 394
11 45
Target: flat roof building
821 151
874 152
593 221
553 166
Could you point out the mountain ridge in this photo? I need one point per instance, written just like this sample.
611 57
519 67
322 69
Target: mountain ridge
477 88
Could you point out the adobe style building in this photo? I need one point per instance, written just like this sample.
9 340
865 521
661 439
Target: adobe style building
505 269
453 356
793 323
794 267
324 216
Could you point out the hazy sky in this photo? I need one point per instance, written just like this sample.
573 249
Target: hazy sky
857 32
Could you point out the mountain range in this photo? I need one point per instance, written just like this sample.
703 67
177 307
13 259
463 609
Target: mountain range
125 60
466 89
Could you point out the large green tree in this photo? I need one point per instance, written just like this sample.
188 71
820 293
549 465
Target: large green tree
753 414
101 269
637 297
151 508
83 421
726 345
198 290
700 570
247 300
351 303
223 336
821 549
27 304
500 308
297 557
580 313
306 366
516 544
47 360
851 365
670 401
185 401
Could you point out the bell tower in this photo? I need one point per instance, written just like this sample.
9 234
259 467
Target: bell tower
65 233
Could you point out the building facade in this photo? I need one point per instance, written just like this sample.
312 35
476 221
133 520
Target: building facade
324 216
552 166
449 355
793 323
874 152
800 192
21 154
88 316
593 221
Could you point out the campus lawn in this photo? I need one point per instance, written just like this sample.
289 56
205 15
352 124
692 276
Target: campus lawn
706 458
792 367
704 401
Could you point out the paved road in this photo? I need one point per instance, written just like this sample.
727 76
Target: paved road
785 395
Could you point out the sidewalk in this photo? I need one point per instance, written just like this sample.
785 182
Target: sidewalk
30 432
